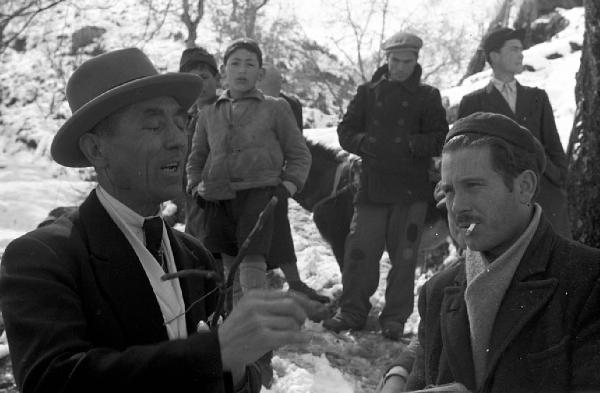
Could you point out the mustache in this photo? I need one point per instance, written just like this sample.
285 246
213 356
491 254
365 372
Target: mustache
464 219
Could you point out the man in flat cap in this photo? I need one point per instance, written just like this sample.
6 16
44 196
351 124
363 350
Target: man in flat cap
521 314
396 124
530 107
83 300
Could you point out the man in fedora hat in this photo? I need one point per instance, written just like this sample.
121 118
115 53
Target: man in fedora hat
396 124
521 314
82 298
531 108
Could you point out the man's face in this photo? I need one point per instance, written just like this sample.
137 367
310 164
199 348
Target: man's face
509 59
242 72
476 193
401 64
144 154
210 82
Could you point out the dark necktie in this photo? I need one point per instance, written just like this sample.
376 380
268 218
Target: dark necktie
153 229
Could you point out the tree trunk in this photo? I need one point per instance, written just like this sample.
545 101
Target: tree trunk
584 145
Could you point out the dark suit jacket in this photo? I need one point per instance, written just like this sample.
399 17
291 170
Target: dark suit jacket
81 315
533 111
546 336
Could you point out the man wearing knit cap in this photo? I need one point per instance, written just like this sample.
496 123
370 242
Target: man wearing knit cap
521 314
530 107
396 124
84 299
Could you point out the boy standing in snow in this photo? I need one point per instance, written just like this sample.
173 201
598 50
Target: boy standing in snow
237 161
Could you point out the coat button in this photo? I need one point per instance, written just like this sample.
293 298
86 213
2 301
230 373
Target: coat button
379 104
376 122
397 140
405 104
400 122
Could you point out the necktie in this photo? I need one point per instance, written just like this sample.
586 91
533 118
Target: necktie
507 93
153 229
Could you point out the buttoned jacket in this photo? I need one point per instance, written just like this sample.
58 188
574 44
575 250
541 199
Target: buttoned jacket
396 128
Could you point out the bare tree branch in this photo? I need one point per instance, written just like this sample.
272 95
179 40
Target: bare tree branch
28 12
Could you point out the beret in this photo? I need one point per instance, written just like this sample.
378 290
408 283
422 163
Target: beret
496 38
503 127
243 43
403 41
192 56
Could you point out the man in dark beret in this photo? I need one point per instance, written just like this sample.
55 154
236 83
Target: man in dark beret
521 314
396 124
530 107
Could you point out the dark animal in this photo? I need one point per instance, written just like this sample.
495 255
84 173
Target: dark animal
329 193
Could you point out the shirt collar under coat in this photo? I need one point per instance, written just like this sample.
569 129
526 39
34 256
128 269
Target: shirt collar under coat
411 84
253 94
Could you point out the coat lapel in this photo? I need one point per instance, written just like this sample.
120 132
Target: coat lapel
525 297
456 332
494 102
120 276
524 103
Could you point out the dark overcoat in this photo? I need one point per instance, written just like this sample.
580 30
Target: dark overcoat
546 336
396 128
81 315
533 111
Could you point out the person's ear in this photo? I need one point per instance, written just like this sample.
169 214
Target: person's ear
494 57
94 149
526 183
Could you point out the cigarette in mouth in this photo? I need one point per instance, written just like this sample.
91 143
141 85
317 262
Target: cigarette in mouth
470 229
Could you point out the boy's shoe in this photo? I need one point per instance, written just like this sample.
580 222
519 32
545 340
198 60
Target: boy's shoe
339 323
300 286
393 330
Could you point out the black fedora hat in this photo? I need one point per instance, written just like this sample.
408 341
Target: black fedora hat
108 82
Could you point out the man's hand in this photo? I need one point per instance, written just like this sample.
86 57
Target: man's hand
262 321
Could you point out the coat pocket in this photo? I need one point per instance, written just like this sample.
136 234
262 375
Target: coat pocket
551 367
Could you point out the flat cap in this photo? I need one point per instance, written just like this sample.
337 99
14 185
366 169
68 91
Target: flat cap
243 43
403 41
503 127
496 38
192 56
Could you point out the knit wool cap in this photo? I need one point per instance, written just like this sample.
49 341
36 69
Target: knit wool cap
503 127
193 56
243 43
403 41
494 41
